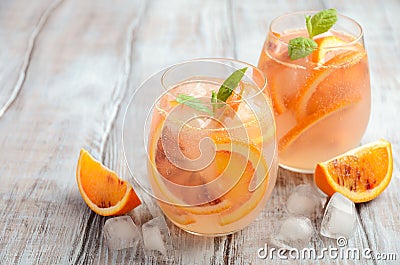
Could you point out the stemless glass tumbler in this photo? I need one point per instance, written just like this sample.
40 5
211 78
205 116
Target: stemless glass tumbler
321 102
211 163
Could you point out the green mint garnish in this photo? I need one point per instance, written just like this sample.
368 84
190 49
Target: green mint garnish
193 103
301 47
322 22
213 97
223 94
230 84
214 100
319 23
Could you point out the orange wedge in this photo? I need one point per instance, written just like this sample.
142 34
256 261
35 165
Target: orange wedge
102 190
360 174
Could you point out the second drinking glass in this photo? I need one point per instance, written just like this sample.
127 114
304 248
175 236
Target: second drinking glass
322 101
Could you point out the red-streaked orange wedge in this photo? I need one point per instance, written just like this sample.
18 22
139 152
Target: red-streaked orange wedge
102 190
360 174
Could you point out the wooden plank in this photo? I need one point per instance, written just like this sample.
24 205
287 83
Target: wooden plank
376 237
202 32
67 101
379 218
72 67
17 50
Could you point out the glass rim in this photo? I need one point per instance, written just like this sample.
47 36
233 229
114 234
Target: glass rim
311 12
220 60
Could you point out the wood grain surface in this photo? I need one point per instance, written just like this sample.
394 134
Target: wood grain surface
67 71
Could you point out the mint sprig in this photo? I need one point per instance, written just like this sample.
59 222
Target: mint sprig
222 95
193 102
319 23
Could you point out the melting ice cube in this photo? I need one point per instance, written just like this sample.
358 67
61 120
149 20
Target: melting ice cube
304 200
340 217
121 232
295 232
156 236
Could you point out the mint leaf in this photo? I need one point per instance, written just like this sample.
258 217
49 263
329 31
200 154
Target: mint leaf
322 21
193 102
214 100
309 25
213 97
301 47
319 23
230 84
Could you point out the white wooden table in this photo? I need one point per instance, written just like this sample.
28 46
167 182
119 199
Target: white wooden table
67 69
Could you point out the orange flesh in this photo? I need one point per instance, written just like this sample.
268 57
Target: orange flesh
360 174
102 190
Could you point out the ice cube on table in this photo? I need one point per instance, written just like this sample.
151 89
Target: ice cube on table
156 237
305 201
340 217
121 232
295 232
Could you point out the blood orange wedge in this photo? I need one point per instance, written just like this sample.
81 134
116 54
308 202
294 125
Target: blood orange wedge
101 189
360 174
313 119
319 75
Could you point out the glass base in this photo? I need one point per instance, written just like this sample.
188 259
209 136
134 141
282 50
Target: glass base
204 234
297 170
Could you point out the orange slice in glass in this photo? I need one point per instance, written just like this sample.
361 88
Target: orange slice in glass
328 47
360 174
318 76
312 119
243 199
266 64
102 190
232 156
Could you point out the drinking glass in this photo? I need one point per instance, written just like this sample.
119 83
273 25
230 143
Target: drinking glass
210 164
321 102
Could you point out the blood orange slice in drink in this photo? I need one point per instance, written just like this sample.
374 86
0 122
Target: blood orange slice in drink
332 101
246 194
269 65
320 75
238 164
313 119
329 47
360 174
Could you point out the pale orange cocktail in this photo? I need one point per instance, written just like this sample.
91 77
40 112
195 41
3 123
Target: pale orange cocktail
322 101
212 166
